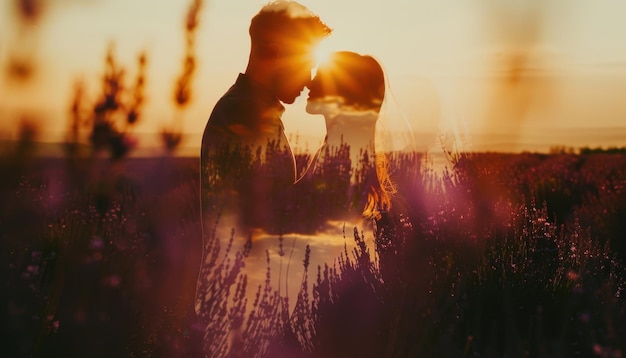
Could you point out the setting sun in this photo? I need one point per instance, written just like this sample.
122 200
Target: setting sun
322 55
323 51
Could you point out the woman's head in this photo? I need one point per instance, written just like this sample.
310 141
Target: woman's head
351 80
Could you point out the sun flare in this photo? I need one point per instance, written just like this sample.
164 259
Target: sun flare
323 52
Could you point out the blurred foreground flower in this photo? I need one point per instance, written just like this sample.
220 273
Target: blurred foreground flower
171 137
113 115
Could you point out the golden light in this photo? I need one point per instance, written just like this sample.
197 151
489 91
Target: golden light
322 54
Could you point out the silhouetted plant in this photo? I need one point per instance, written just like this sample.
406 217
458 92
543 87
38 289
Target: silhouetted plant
600 150
27 134
172 136
73 141
114 114
22 59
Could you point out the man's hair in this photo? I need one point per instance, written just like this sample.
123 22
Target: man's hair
288 23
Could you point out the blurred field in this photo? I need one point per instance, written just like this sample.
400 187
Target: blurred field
502 255
100 258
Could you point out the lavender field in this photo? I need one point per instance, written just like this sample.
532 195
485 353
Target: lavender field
502 255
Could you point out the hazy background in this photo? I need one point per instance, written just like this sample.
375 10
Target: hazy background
505 75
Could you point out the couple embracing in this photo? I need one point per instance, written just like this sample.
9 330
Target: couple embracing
247 163
250 179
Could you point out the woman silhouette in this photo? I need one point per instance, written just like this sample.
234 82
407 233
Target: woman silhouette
349 91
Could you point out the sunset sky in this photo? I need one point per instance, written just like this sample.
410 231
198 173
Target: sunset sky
505 75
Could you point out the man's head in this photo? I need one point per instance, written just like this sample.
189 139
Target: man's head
284 35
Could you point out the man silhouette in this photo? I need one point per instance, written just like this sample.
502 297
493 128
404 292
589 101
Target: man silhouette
247 165
245 127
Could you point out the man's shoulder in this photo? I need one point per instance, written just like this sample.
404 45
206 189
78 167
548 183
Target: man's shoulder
242 106
232 119
232 108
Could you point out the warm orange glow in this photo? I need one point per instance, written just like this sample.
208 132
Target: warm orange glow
322 54
520 72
